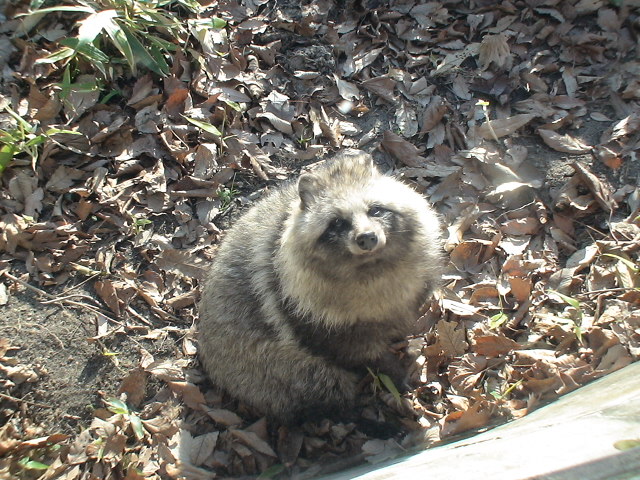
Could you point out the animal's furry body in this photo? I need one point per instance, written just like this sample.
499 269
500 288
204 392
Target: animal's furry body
313 284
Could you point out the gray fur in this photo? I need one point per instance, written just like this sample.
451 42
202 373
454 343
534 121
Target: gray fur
292 312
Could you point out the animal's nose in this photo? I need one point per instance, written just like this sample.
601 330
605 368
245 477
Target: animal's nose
367 240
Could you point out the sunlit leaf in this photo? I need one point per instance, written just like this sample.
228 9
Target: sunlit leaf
6 155
32 464
207 127
89 50
116 405
389 385
57 56
91 26
136 425
141 55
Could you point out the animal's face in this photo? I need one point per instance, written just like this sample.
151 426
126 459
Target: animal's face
354 217
358 228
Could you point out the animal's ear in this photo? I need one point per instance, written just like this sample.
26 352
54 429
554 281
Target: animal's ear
309 186
366 160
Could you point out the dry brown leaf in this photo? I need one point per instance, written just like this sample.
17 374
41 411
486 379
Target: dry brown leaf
453 60
223 417
347 90
607 156
190 393
452 339
493 345
521 226
134 385
176 103
464 374
494 49
476 416
114 447
142 89
469 255
43 108
63 178
563 143
403 151
106 290
621 129
520 288
290 441
41 442
377 450
433 114
584 7
600 191
406 119
252 440
201 447
504 126
182 263
383 86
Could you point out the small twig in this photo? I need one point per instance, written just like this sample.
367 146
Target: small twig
67 298
20 400
62 300
605 290
30 287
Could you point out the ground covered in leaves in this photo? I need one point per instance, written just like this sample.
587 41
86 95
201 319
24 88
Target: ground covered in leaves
132 137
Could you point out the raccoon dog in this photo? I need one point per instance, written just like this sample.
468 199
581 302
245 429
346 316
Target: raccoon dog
313 284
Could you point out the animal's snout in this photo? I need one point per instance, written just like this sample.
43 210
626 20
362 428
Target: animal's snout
367 241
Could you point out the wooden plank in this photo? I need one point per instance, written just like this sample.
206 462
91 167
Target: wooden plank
570 439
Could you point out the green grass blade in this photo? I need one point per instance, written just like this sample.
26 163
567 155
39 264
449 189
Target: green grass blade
388 383
61 54
568 300
158 57
88 50
162 44
34 142
631 265
141 55
207 127
55 131
120 40
91 26
116 405
61 8
6 155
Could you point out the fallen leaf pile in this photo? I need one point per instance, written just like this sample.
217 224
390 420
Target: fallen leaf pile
519 121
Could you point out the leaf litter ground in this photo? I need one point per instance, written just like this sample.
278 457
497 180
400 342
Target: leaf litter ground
519 121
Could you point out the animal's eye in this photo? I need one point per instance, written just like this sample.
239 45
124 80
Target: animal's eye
376 211
338 224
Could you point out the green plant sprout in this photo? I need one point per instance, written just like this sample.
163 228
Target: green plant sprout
139 224
497 320
382 379
501 396
23 138
577 323
629 264
29 464
226 196
117 406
